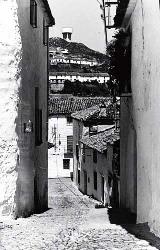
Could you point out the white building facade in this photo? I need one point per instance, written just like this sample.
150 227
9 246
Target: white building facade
23 106
140 144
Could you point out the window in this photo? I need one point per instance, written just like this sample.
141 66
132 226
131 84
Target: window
70 144
45 33
33 13
77 152
95 180
69 120
93 130
79 174
66 163
95 156
38 119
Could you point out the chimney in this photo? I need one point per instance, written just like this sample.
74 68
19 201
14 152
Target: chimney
67 34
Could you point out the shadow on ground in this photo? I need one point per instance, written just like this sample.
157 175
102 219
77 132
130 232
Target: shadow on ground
128 221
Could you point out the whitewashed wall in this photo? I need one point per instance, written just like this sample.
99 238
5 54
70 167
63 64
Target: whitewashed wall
56 156
145 23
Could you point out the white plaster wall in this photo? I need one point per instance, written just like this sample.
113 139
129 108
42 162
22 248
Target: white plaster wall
77 135
10 79
128 153
23 66
102 167
146 91
56 156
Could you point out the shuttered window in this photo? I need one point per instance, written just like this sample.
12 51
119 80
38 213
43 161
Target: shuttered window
38 119
45 33
70 144
33 13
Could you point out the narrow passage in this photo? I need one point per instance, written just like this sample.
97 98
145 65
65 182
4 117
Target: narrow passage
71 223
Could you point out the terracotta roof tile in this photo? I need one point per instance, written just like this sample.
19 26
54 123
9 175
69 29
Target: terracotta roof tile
68 105
101 140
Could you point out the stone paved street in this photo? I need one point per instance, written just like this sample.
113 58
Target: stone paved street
72 223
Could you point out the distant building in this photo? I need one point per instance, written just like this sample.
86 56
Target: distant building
23 106
62 57
93 139
61 132
67 33
96 166
57 79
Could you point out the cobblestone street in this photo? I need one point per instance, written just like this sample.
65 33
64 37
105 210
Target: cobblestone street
72 223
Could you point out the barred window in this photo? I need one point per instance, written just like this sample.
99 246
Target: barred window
33 13
66 163
70 144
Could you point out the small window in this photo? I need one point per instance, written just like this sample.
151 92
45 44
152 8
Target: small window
95 156
93 130
70 144
45 33
33 13
69 120
95 180
66 163
38 119
79 174
77 152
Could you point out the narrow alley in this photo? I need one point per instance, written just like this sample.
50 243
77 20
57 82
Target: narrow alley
71 223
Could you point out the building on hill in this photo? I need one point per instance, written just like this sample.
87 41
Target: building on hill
23 106
95 143
61 77
140 105
60 153
61 56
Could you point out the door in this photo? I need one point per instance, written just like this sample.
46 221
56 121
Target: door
102 188
85 182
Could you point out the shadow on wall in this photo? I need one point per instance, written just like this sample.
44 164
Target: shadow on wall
128 221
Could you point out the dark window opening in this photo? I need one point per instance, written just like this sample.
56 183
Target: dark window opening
79 174
95 180
77 152
69 120
45 33
83 153
66 163
33 13
38 119
95 156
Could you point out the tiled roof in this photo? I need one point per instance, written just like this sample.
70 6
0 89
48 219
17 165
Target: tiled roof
101 140
68 105
99 112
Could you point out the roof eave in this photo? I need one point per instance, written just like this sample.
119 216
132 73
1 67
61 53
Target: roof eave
128 14
51 19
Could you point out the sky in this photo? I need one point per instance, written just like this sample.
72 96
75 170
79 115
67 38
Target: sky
84 16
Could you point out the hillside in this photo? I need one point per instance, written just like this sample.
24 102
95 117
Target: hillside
78 49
